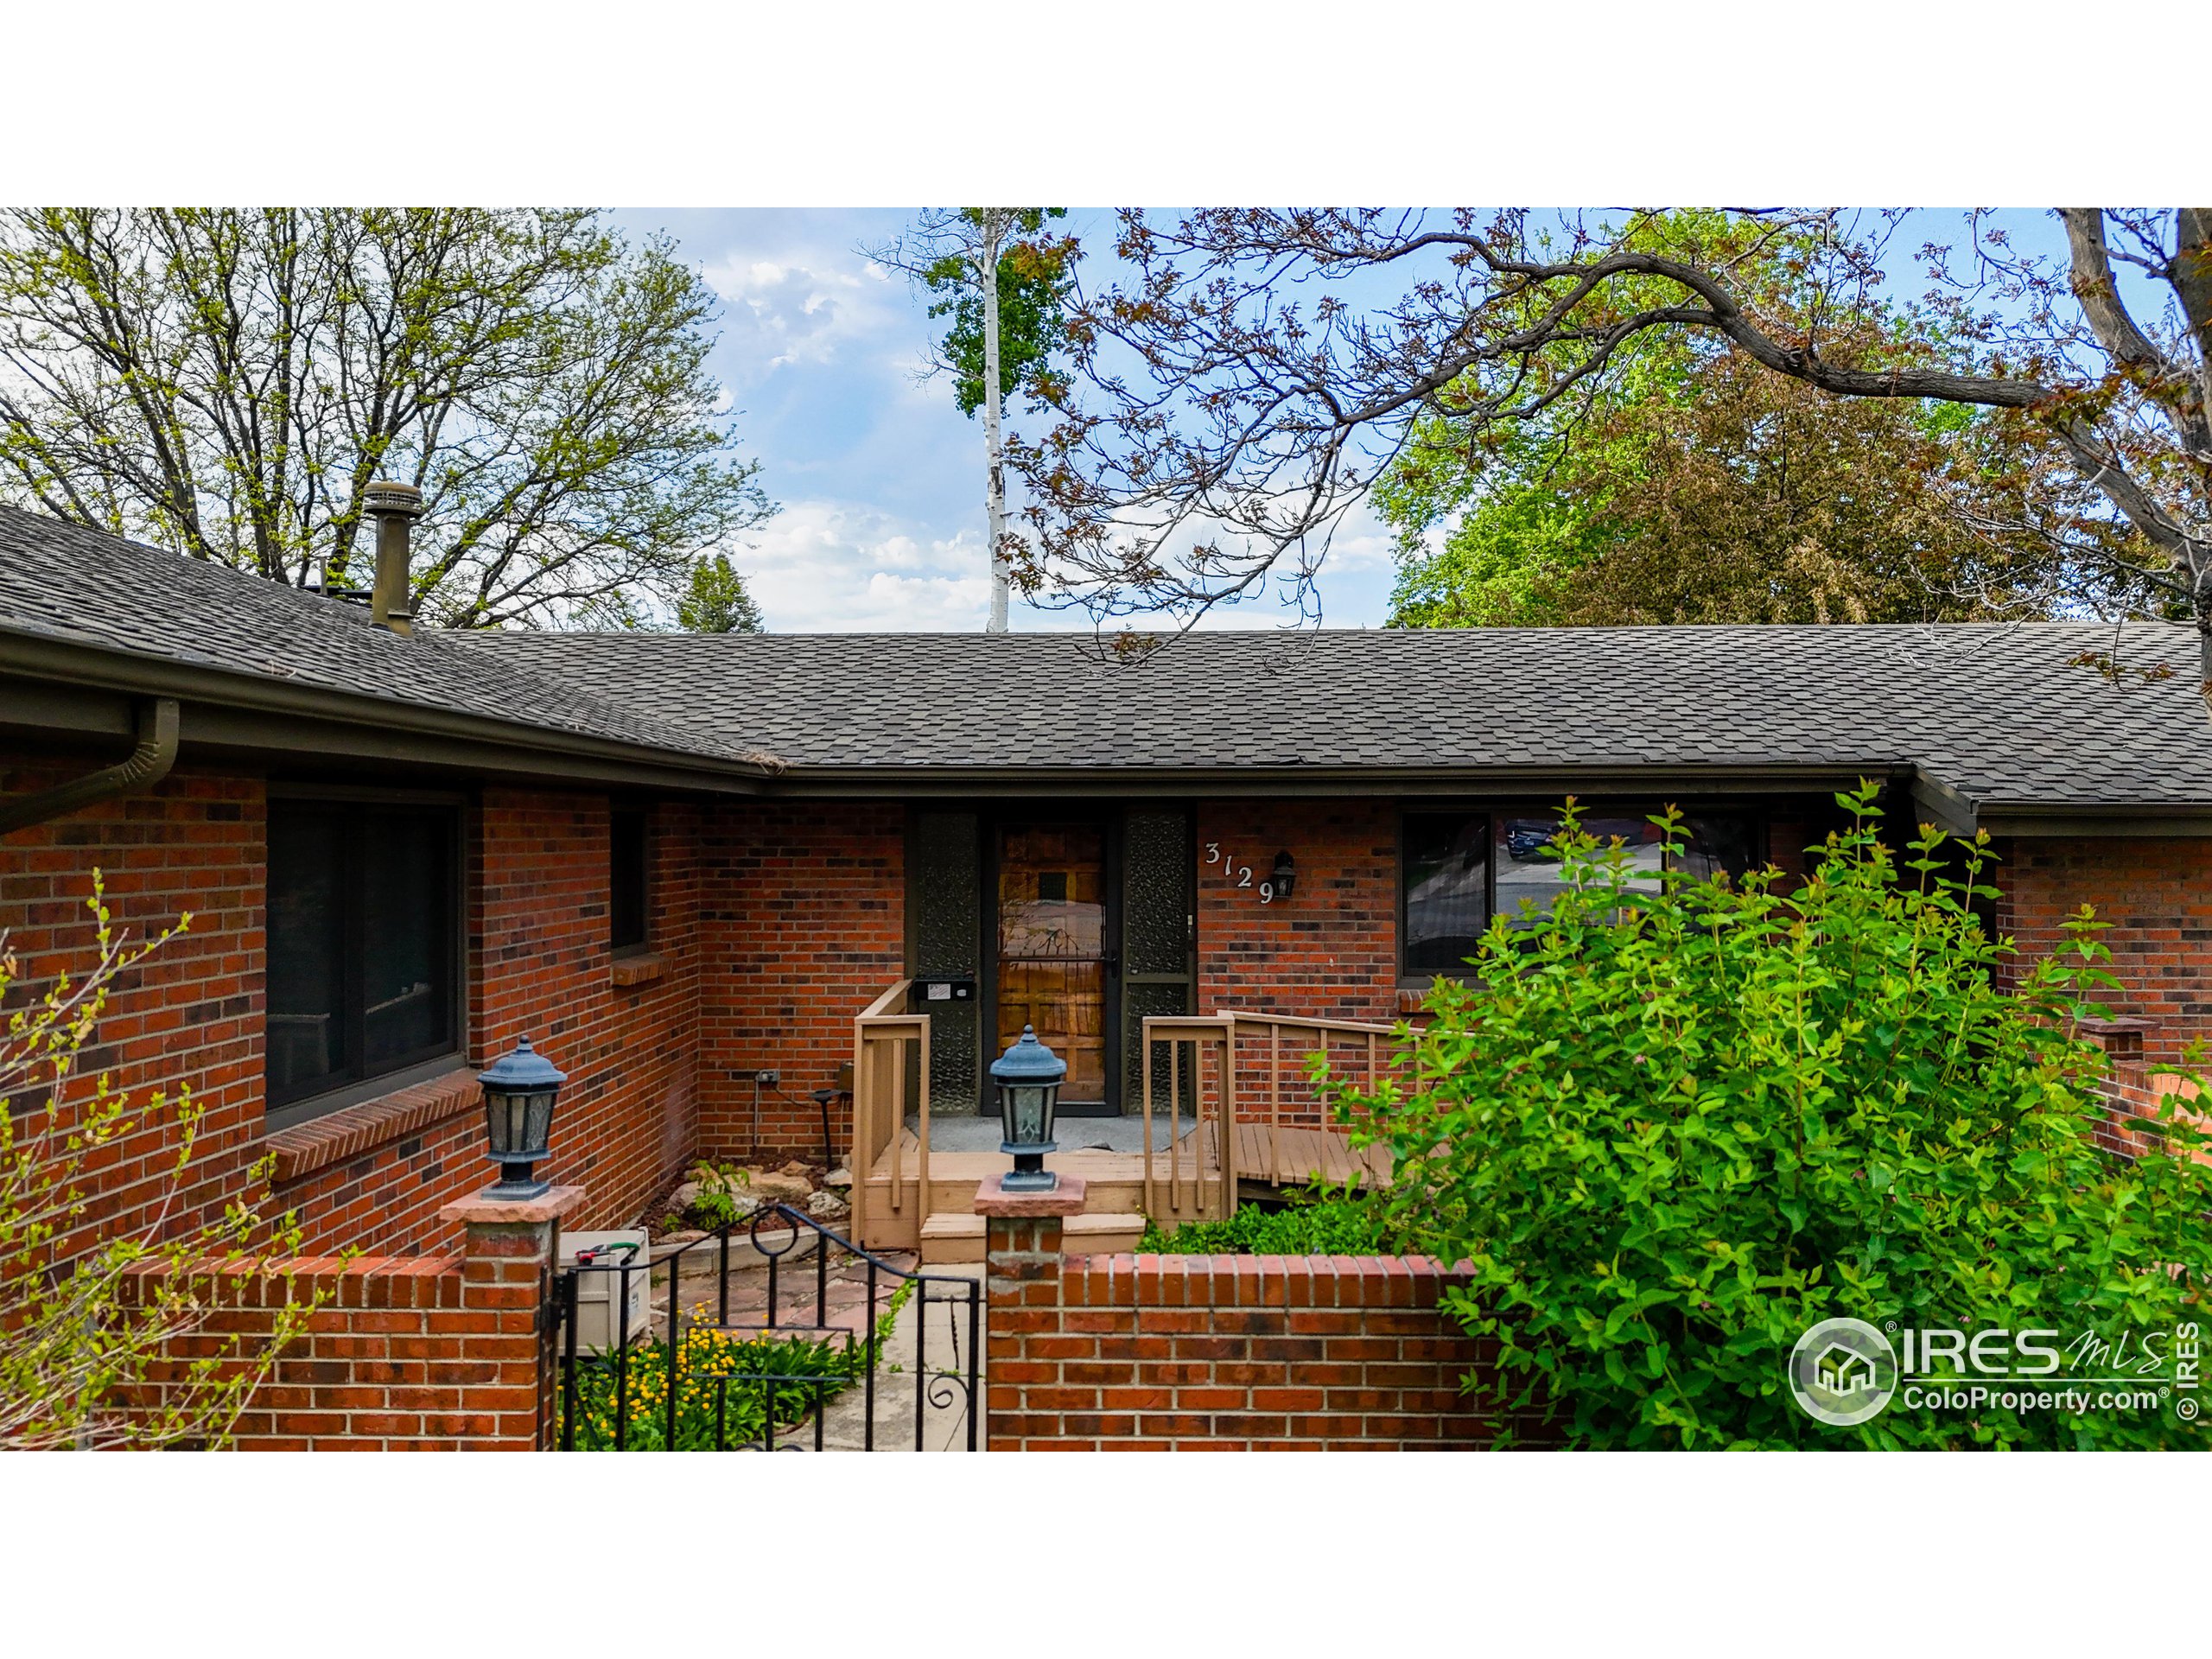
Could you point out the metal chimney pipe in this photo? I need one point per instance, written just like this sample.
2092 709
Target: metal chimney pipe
393 508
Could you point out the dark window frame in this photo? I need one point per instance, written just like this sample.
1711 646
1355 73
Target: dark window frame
416 1066
624 820
1756 814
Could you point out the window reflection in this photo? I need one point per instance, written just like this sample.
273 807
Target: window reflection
1446 884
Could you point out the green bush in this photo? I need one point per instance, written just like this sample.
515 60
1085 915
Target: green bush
1324 1222
1671 1130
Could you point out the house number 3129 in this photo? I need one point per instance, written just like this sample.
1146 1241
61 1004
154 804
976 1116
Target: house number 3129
1240 873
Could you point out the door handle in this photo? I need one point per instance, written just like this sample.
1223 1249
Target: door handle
1113 961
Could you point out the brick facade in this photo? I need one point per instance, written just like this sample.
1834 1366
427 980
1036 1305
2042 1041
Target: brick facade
771 924
2157 896
372 1176
1331 950
189 1017
804 925
1223 1353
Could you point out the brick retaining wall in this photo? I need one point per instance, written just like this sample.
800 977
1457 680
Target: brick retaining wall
1223 1353
407 1353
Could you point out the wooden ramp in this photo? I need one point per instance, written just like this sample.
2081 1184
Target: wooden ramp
1292 1157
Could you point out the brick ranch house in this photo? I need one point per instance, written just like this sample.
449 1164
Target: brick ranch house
678 863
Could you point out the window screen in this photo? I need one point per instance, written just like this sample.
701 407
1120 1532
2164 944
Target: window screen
1719 844
626 907
363 934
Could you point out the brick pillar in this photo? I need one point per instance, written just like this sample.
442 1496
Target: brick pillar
1023 1253
506 1326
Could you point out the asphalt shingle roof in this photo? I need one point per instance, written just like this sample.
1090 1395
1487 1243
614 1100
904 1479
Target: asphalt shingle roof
62 582
1992 710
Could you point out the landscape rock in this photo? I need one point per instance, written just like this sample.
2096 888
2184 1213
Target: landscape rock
771 1187
682 1197
795 1167
828 1206
838 1177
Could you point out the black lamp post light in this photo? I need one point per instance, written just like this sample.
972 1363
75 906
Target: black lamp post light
1029 1076
1284 877
518 1095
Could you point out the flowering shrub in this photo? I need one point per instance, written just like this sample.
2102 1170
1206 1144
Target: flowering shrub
1673 1130
724 1385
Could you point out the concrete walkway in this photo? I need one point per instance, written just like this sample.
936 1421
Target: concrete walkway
940 1402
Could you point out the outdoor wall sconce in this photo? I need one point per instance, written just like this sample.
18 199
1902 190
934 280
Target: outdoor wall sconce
518 1095
1029 1076
1285 876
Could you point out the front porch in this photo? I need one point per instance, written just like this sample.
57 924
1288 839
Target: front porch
1227 1114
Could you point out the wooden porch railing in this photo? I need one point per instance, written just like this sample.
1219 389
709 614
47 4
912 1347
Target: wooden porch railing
881 1032
1241 1044
1187 1201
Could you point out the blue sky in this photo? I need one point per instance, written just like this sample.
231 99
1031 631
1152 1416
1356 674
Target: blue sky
879 474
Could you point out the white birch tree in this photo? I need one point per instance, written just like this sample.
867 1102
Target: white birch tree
1002 282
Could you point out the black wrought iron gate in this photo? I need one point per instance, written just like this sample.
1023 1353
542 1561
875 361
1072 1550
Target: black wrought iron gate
651 1374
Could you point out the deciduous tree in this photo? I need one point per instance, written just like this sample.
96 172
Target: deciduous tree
1697 486
1234 396
225 382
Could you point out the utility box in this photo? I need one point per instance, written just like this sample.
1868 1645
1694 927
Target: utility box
600 1288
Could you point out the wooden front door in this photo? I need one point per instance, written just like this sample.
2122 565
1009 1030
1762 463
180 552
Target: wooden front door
1052 947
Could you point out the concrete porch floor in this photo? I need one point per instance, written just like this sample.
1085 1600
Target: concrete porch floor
972 1132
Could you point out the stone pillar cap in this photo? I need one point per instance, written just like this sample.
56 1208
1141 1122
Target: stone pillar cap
482 1210
993 1199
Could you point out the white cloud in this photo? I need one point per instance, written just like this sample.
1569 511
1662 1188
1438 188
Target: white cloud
831 567
800 307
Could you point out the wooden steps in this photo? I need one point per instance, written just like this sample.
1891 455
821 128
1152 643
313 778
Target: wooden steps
1100 1233
941 1224
948 1237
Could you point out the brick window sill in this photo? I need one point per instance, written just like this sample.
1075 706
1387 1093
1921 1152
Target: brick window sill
352 1130
641 969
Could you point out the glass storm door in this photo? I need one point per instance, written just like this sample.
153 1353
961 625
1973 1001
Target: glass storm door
1052 947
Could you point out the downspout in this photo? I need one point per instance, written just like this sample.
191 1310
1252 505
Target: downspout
149 764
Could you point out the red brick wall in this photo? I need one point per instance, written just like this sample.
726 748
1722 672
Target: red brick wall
538 962
805 925
2156 894
410 1353
190 1015
540 968
1330 949
1222 1353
